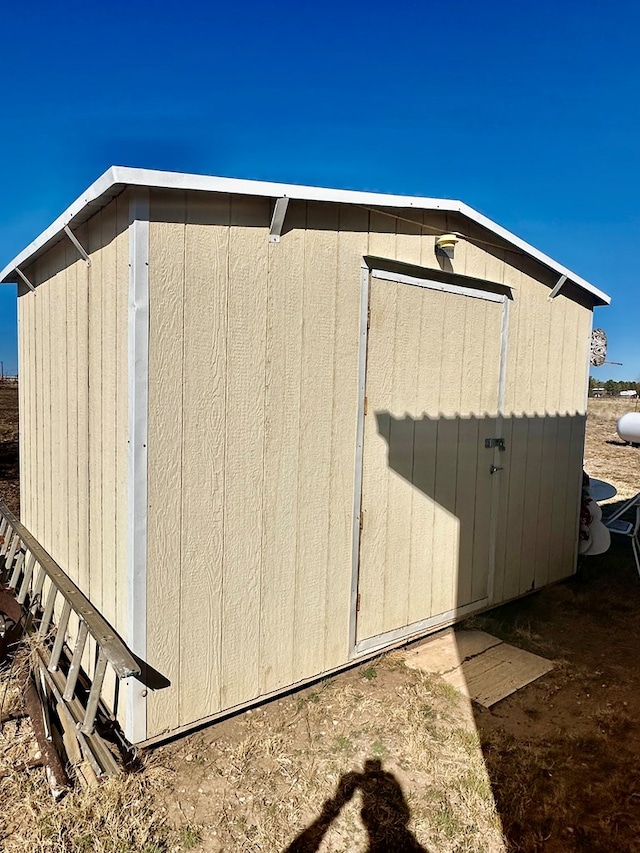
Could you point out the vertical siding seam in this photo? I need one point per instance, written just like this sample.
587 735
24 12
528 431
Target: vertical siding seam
538 475
263 511
180 483
35 432
458 512
391 420
87 430
388 561
65 509
332 443
296 590
116 567
555 307
480 419
413 453
103 262
458 413
49 495
219 666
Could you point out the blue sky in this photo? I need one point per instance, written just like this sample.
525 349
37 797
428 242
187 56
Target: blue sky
529 112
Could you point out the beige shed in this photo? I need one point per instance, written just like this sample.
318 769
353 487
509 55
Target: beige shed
271 429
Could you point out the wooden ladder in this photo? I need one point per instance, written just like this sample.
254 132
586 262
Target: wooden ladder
73 644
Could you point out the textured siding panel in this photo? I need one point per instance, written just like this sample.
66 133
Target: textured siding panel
316 400
282 451
203 452
167 293
252 421
74 376
244 383
72 327
82 391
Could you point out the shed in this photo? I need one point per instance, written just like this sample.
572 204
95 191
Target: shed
272 429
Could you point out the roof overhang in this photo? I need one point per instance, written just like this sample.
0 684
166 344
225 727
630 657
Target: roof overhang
117 178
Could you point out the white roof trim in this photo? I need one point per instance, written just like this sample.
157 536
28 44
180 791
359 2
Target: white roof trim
118 177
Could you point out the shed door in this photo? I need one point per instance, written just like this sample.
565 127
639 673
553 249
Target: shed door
431 400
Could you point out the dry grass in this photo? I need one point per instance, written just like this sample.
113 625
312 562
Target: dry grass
256 781
267 775
121 817
9 488
606 456
560 766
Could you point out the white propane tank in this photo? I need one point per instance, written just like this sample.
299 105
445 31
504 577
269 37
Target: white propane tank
628 427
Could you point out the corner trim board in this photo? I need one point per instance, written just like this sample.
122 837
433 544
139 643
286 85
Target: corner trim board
138 393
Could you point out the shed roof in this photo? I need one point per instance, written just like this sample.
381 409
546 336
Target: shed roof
117 178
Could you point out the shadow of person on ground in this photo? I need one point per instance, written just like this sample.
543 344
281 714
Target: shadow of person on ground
385 813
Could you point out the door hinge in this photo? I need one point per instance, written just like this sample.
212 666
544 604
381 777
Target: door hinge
366 405
368 318
361 524
357 602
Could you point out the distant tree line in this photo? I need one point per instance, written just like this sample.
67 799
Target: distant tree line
612 387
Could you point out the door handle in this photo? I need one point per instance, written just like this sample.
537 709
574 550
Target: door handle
495 468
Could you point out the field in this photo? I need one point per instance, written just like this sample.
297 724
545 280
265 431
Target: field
384 758
606 456
9 486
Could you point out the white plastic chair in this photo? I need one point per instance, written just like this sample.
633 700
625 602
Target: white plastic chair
624 507
627 528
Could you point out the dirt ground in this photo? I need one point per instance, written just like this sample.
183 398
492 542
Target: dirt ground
9 485
385 758
563 754
560 759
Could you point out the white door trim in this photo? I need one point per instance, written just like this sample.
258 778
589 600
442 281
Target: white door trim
389 638
357 493
474 293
